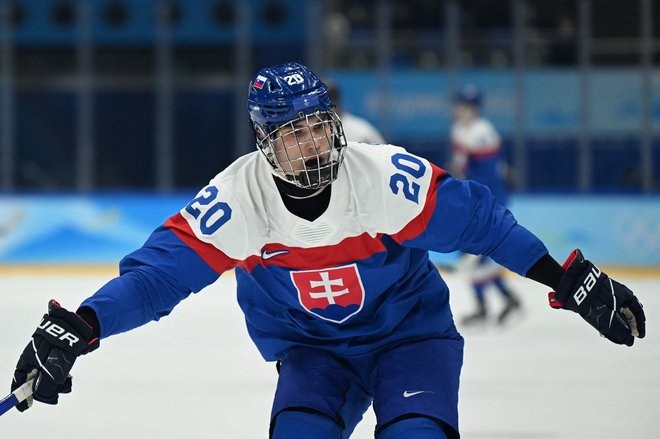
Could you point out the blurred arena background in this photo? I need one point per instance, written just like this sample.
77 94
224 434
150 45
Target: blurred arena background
114 112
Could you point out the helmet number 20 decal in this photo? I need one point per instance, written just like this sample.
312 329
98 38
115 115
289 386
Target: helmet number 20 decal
411 169
294 79
214 216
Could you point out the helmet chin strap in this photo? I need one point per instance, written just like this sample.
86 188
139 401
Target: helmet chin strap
318 191
291 190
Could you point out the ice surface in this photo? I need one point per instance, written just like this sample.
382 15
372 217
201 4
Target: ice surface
197 374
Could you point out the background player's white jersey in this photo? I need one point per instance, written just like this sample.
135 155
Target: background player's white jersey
476 137
357 129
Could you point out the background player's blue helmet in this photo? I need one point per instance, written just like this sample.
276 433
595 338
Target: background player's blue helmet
295 125
469 94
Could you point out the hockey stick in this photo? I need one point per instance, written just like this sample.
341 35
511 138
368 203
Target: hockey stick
17 396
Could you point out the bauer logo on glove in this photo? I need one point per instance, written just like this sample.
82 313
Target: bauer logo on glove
60 338
604 303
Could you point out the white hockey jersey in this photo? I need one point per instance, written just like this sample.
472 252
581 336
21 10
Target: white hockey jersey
355 279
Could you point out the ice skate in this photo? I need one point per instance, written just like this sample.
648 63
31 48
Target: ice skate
479 317
512 307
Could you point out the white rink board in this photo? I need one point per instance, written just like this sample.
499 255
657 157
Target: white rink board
197 374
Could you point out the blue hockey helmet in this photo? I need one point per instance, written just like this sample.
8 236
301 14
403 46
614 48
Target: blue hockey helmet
469 94
295 125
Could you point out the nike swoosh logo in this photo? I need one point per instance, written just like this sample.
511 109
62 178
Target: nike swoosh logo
408 394
266 255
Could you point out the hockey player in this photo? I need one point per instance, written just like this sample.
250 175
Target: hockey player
356 128
478 156
329 242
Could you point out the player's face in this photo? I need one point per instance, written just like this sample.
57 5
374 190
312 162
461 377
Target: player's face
303 145
464 113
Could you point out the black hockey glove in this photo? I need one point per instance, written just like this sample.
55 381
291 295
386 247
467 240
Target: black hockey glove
604 303
59 339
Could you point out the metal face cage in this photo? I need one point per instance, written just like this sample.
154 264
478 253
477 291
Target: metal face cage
306 151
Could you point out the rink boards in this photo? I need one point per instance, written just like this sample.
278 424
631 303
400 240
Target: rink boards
87 231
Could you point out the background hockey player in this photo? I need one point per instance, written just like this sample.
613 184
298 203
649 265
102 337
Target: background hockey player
356 128
477 155
329 242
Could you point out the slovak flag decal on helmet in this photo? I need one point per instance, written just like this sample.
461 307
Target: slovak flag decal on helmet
259 82
332 294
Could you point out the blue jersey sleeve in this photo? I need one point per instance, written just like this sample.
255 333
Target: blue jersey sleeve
466 217
152 281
